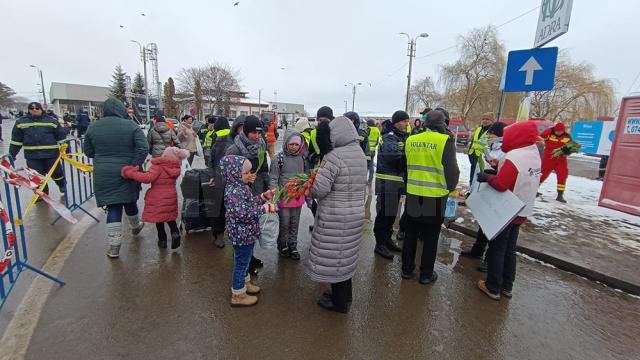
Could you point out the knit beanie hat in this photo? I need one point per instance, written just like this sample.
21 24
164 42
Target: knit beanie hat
176 153
251 124
399 116
295 139
325 112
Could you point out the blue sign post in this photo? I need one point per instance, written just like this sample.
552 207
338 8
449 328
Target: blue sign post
531 70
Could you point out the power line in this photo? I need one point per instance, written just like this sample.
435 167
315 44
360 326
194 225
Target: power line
497 27
454 46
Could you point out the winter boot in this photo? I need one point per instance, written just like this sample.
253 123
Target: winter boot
240 298
251 288
392 246
383 251
295 255
219 240
135 224
114 239
561 197
175 240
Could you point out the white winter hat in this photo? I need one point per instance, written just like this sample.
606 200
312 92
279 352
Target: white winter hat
302 124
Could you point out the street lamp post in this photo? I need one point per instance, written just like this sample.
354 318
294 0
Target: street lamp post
411 53
353 90
44 97
143 51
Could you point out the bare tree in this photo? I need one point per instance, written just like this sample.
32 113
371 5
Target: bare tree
577 94
471 83
423 94
6 95
217 81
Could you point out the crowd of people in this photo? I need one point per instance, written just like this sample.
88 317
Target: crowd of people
410 160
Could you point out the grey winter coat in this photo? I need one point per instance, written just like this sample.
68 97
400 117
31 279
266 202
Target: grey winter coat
286 165
160 137
340 190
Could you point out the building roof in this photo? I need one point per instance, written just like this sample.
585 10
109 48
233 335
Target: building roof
78 92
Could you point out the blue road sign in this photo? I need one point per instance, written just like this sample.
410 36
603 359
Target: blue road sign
531 70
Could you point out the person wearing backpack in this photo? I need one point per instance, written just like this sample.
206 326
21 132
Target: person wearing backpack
288 163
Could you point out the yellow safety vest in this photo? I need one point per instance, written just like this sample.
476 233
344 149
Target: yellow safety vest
425 173
208 139
222 132
478 143
314 141
374 138
409 128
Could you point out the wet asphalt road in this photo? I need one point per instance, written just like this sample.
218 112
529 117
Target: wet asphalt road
153 304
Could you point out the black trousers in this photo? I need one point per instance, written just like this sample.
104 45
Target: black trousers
429 234
43 166
473 159
341 293
501 259
160 228
480 245
386 211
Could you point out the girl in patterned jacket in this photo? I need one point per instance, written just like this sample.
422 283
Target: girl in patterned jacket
243 211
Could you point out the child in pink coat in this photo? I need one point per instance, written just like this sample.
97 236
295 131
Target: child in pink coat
161 200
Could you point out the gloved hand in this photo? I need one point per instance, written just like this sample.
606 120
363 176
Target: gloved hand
481 178
491 172
269 208
309 202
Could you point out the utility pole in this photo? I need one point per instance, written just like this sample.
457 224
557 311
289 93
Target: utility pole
44 97
143 51
411 53
353 91
345 106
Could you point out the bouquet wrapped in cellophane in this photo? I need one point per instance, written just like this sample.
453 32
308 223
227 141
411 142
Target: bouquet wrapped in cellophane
569 148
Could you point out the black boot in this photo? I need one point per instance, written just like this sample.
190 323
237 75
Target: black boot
327 294
327 304
392 246
383 251
162 243
428 279
257 263
400 236
175 241
560 197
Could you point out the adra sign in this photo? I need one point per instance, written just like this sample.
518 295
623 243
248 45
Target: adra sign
553 20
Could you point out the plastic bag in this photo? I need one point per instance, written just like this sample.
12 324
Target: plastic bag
269 229
450 210
199 150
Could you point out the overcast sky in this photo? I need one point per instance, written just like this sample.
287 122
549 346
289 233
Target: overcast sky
320 44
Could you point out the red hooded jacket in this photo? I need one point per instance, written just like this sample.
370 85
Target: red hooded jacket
161 200
516 136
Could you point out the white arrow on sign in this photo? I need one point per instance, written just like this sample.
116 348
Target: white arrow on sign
530 66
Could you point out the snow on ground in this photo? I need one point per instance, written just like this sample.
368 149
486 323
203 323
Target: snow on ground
582 195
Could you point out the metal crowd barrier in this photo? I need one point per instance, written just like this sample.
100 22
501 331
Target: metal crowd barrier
13 258
78 184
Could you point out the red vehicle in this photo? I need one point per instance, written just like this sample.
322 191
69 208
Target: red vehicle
460 131
268 116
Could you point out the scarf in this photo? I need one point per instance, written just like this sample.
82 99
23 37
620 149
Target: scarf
248 148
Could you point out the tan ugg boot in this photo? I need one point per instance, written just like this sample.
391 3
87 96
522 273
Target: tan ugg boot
239 298
251 288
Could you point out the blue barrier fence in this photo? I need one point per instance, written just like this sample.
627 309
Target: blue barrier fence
14 256
78 184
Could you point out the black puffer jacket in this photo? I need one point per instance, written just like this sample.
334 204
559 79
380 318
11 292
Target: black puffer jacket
392 162
38 135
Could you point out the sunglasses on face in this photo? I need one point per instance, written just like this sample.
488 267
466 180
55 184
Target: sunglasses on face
35 108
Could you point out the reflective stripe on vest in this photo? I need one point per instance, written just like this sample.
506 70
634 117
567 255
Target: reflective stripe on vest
40 147
389 177
374 137
478 143
425 173
30 124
